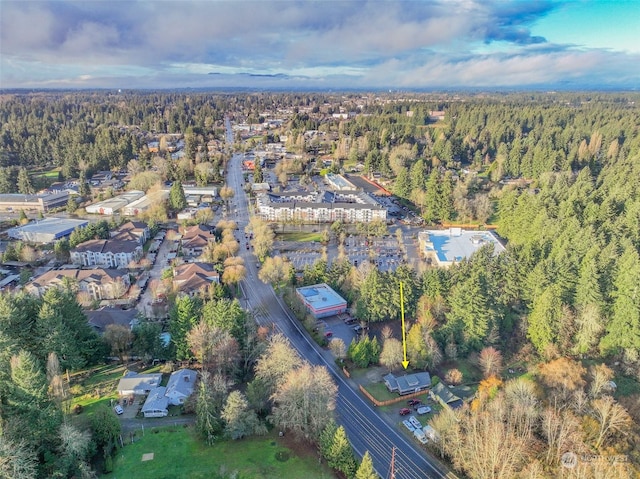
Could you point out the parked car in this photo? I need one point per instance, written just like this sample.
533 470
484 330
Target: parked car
408 425
404 411
423 410
350 320
414 402
328 334
415 423
118 409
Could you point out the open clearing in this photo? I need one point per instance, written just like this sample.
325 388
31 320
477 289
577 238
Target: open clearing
178 453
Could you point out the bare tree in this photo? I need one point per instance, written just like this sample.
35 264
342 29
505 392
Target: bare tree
338 348
391 355
561 429
305 401
119 338
522 402
277 361
490 361
453 376
17 459
611 417
600 376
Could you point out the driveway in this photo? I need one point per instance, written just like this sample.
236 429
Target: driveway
155 274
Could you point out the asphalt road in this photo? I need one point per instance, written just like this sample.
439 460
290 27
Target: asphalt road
365 428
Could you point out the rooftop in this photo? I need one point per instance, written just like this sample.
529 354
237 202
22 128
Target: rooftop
48 225
455 244
320 296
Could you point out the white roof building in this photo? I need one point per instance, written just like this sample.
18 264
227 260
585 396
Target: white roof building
446 247
46 230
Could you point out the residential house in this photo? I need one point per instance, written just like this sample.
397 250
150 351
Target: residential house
138 384
99 283
189 278
156 404
103 317
195 238
443 395
407 384
180 386
112 253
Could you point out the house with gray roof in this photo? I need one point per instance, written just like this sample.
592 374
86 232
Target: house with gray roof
134 383
156 404
407 384
445 396
180 386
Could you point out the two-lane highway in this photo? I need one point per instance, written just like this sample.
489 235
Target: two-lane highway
365 428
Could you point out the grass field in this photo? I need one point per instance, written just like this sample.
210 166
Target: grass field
380 391
97 388
48 174
299 236
178 453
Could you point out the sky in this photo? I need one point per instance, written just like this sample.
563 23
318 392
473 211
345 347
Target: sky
327 44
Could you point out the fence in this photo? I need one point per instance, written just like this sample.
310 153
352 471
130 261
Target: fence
390 401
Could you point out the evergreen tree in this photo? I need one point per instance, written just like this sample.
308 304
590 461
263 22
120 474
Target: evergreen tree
341 456
257 173
365 470
24 182
177 200
183 316
623 330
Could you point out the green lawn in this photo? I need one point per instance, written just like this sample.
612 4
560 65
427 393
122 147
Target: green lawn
299 236
380 391
48 174
179 453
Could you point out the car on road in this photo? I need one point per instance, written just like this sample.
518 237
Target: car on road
118 409
404 411
423 410
414 402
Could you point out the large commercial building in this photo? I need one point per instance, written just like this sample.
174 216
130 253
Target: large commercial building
144 203
46 230
323 207
321 301
41 202
115 204
446 247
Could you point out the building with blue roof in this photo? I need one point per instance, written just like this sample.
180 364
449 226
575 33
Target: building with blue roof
321 301
452 245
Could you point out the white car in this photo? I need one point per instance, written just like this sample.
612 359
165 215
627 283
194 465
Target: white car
118 409
415 423
423 410
408 425
420 436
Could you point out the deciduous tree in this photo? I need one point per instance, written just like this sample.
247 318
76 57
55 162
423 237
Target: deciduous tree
304 401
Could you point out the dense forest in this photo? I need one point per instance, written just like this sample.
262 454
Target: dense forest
557 173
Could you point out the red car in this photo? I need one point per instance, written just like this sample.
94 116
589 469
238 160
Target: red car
328 334
404 411
414 402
